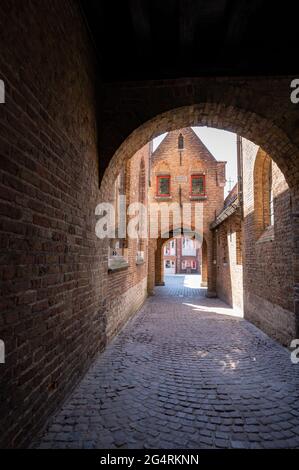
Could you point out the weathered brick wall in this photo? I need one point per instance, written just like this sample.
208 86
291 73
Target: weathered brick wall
268 263
195 158
229 262
151 279
52 317
122 307
58 303
127 288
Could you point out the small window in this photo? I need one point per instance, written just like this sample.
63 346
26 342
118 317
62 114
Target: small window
193 264
198 185
181 142
163 185
118 245
117 248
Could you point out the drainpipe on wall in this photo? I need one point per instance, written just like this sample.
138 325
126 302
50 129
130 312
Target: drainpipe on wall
150 162
240 172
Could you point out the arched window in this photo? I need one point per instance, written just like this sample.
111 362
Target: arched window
118 253
263 193
181 142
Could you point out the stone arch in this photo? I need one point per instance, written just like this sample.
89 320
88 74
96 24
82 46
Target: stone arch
263 131
261 175
248 124
204 265
156 255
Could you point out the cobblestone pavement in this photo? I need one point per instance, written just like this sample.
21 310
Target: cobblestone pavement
184 373
182 286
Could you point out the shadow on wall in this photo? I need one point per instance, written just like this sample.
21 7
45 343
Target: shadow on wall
269 273
224 278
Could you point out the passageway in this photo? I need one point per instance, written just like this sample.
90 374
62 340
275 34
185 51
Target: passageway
185 372
85 90
182 285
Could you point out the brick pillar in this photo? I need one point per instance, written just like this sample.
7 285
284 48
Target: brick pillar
158 264
211 268
204 268
152 246
199 260
214 263
295 219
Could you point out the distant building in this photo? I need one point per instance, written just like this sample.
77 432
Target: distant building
183 170
182 256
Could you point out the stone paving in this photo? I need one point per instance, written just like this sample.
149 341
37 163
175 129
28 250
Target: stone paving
182 286
186 372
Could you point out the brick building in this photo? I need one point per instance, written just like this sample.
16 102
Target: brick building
253 244
268 244
228 237
182 171
182 256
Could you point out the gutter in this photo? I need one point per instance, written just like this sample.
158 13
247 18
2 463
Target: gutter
226 212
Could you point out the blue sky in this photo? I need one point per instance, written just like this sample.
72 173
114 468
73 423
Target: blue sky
222 145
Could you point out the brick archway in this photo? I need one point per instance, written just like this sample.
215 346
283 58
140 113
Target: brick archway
263 132
155 268
206 270
252 126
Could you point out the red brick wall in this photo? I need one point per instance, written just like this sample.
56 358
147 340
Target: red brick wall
59 306
195 159
229 267
127 288
267 251
52 314
268 254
